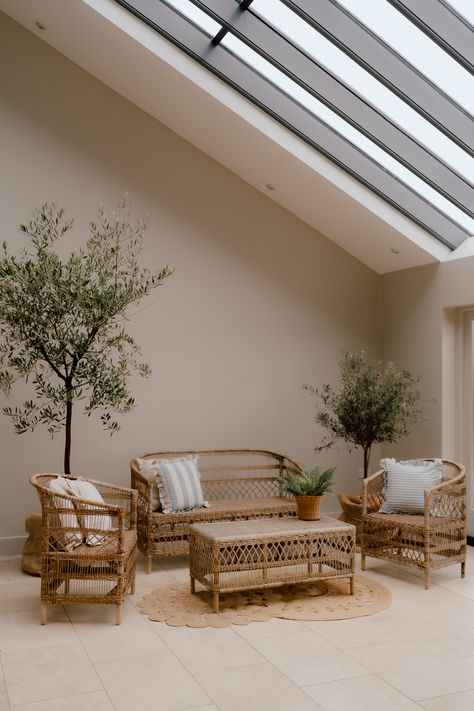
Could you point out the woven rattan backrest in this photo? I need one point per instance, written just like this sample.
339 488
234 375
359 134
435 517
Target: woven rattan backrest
234 473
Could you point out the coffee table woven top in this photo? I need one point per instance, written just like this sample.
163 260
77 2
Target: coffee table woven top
257 529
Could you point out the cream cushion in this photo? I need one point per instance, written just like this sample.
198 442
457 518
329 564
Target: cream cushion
179 484
405 484
149 468
68 539
85 490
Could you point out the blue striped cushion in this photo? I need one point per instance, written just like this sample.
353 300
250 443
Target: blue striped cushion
405 484
179 484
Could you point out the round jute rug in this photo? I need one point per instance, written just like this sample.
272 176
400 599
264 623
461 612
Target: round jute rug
323 600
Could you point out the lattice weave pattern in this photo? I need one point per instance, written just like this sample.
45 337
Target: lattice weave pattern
426 541
232 556
100 569
239 484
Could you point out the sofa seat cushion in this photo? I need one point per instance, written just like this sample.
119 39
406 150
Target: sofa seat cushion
222 509
88 554
414 521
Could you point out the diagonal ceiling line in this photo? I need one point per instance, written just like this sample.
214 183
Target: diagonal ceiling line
175 27
448 29
364 47
322 84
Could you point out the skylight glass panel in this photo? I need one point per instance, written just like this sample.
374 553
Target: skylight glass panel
315 45
343 128
195 15
418 49
464 8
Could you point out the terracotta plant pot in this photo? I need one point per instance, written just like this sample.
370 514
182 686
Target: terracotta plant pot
308 507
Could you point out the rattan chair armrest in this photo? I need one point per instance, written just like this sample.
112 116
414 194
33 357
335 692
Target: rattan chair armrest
450 489
371 486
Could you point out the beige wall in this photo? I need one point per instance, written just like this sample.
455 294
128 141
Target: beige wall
416 333
259 303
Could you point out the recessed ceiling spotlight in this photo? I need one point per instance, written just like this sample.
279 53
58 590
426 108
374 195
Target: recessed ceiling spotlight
394 250
40 25
270 186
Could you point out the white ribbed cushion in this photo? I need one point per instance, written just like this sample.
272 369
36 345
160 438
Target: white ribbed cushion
149 468
85 490
179 484
69 539
406 482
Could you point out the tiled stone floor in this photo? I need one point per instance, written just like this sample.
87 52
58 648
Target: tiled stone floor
417 654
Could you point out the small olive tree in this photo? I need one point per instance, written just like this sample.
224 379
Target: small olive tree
62 320
374 403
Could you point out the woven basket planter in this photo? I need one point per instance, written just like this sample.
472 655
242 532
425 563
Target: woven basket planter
308 507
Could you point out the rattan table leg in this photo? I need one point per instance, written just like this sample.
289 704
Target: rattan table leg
43 613
193 585
352 585
118 614
463 569
215 601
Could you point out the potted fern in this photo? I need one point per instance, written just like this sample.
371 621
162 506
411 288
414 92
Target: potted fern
308 487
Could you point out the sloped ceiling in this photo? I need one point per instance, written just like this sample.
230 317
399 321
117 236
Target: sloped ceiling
115 47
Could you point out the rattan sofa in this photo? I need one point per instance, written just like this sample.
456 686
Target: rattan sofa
238 483
100 573
427 541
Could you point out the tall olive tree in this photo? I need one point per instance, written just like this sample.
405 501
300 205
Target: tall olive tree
375 402
62 320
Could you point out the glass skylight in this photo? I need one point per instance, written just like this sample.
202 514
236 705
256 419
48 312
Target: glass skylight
197 16
464 7
315 45
358 81
412 44
317 108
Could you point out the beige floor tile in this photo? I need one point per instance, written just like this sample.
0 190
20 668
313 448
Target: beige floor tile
408 669
348 634
453 702
363 693
258 687
48 672
4 705
10 570
270 628
176 566
96 701
158 681
307 659
19 595
105 641
203 650
465 665
22 630
450 646
204 708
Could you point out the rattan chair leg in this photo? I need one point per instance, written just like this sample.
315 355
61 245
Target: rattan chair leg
362 561
118 614
132 585
149 562
426 574
463 569
43 613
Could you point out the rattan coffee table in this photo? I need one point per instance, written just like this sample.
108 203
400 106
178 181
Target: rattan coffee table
239 555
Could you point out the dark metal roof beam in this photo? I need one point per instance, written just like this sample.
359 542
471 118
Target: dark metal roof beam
443 25
317 134
342 100
387 66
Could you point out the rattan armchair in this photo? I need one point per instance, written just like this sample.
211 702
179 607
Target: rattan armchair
427 541
101 568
